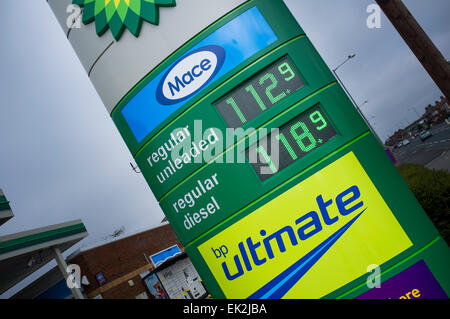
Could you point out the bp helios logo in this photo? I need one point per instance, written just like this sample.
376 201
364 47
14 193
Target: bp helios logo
118 14
190 74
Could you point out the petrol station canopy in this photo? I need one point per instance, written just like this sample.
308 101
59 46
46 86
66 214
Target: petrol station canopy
5 210
23 253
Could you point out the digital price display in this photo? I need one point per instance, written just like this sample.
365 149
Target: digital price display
294 140
259 93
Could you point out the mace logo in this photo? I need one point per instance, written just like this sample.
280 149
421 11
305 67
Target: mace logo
190 74
118 14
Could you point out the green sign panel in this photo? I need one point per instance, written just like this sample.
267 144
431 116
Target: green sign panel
268 174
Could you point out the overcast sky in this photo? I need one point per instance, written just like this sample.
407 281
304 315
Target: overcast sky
61 157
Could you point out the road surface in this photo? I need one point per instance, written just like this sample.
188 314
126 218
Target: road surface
433 153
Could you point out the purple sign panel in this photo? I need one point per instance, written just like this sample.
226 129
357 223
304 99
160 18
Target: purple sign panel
415 282
391 156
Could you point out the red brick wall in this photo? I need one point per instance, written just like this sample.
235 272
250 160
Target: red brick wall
124 291
121 257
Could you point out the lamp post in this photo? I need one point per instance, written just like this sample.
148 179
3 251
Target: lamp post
362 104
414 109
351 56
358 108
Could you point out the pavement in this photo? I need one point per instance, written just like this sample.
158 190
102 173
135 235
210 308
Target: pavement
441 162
433 153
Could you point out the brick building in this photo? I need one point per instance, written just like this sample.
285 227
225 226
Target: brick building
122 260
113 269
434 114
437 113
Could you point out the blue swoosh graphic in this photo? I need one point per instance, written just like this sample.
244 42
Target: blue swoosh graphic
280 285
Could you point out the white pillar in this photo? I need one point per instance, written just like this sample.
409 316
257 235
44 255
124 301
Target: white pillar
63 268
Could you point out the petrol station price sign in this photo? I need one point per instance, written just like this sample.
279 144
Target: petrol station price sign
162 158
265 170
315 235
247 171
296 138
267 253
259 93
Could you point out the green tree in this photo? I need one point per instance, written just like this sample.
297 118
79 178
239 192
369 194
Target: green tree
432 190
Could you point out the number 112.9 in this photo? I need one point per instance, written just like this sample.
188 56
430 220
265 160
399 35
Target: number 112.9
271 83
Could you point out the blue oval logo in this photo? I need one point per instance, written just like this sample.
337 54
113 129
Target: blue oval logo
190 74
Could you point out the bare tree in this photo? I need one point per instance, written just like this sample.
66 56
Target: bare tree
116 233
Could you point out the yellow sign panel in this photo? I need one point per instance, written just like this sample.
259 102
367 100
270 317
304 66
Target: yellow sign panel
309 241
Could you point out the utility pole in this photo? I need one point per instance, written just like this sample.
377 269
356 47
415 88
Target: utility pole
418 41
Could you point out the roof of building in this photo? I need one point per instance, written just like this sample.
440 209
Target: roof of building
114 239
23 253
5 210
